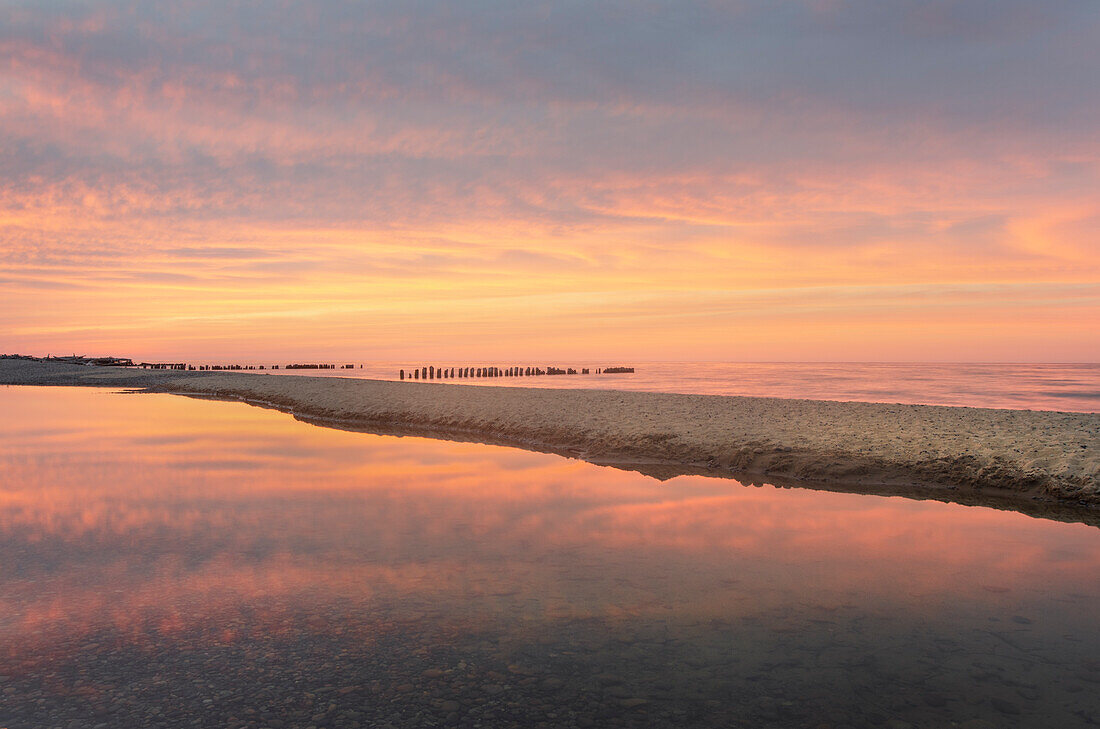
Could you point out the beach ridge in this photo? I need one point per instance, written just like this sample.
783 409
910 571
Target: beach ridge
948 453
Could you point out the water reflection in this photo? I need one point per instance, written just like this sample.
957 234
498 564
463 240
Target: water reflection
158 552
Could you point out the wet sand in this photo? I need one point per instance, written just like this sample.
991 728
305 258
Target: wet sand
1005 458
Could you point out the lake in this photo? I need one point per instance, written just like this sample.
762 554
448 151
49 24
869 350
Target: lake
173 562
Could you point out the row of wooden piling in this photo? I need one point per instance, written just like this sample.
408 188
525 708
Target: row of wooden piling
230 368
431 372
164 366
237 367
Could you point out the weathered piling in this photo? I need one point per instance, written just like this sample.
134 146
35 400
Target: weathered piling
438 372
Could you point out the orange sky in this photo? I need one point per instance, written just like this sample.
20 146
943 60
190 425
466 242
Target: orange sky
816 181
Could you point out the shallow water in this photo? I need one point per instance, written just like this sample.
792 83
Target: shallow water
175 562
1065 387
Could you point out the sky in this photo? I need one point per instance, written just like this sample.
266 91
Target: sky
748 180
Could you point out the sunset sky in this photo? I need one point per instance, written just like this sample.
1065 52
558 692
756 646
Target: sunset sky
755 180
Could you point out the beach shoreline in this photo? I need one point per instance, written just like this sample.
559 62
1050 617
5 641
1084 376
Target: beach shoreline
1038 462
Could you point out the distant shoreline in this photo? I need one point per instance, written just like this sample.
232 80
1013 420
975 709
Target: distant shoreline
1031 461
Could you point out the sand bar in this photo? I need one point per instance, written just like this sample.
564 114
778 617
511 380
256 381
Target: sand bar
971 455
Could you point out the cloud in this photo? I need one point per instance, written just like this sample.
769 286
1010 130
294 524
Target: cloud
217 253
339 149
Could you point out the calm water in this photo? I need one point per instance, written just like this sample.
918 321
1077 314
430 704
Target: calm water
180 563
1068 387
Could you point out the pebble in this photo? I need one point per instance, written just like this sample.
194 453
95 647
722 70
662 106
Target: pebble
589 678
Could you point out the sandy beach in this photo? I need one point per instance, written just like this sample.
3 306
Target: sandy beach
1009 458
